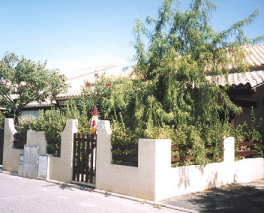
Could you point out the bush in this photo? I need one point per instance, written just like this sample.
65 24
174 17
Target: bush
249 132
53 123
2 120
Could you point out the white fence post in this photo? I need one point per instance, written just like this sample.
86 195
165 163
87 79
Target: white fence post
60 168
148 180
37 138
103 151
11 156
154 165
229 150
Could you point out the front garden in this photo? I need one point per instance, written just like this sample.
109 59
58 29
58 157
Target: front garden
167 95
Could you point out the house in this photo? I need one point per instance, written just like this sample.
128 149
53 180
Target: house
246 91
75 80
247 88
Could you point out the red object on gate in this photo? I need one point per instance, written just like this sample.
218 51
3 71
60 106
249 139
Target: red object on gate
93 126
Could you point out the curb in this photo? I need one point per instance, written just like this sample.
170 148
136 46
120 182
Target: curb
155 204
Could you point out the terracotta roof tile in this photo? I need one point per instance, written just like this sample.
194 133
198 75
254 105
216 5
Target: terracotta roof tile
71 93
255 54
254 78
255 57
46 103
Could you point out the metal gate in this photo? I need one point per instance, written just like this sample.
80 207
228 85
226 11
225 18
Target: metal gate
84 154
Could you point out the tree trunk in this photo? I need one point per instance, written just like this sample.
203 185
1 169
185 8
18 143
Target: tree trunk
18 113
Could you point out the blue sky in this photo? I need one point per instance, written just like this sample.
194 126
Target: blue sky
75 35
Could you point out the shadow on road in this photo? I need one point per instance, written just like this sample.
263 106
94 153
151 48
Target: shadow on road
67 186
232 198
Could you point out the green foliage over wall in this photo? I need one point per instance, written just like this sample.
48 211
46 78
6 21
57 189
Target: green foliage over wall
250 132
167 94
2 120
53 123
171 97
24 81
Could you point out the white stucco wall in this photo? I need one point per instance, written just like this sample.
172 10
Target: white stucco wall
154 179
60 168
188 179
10 155
37 138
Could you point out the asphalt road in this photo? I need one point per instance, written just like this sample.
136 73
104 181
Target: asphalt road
25 195
232 198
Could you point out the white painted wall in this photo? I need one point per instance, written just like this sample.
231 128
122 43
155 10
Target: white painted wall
59 168
10 156
37 138
154 179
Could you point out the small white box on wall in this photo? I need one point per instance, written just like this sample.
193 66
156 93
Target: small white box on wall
43 167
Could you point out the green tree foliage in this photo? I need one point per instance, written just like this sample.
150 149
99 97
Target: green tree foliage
2 120
174 53
53 123
251 131
181 48
112 96
167 94
24 81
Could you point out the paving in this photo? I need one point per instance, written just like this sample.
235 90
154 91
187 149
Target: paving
241 198
29 195
20 194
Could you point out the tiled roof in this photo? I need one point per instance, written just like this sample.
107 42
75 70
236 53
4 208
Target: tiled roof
255 54
71 93
255 57
254 78
46 103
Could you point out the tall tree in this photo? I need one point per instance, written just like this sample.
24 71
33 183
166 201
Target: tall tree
168 95
24 81
181 48
174 53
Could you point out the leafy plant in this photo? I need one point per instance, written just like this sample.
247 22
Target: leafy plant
2 120
249 132
170 91
24 81
29 123
167 94
53 123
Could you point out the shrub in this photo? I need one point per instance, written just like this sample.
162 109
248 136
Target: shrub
53 123
2 120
